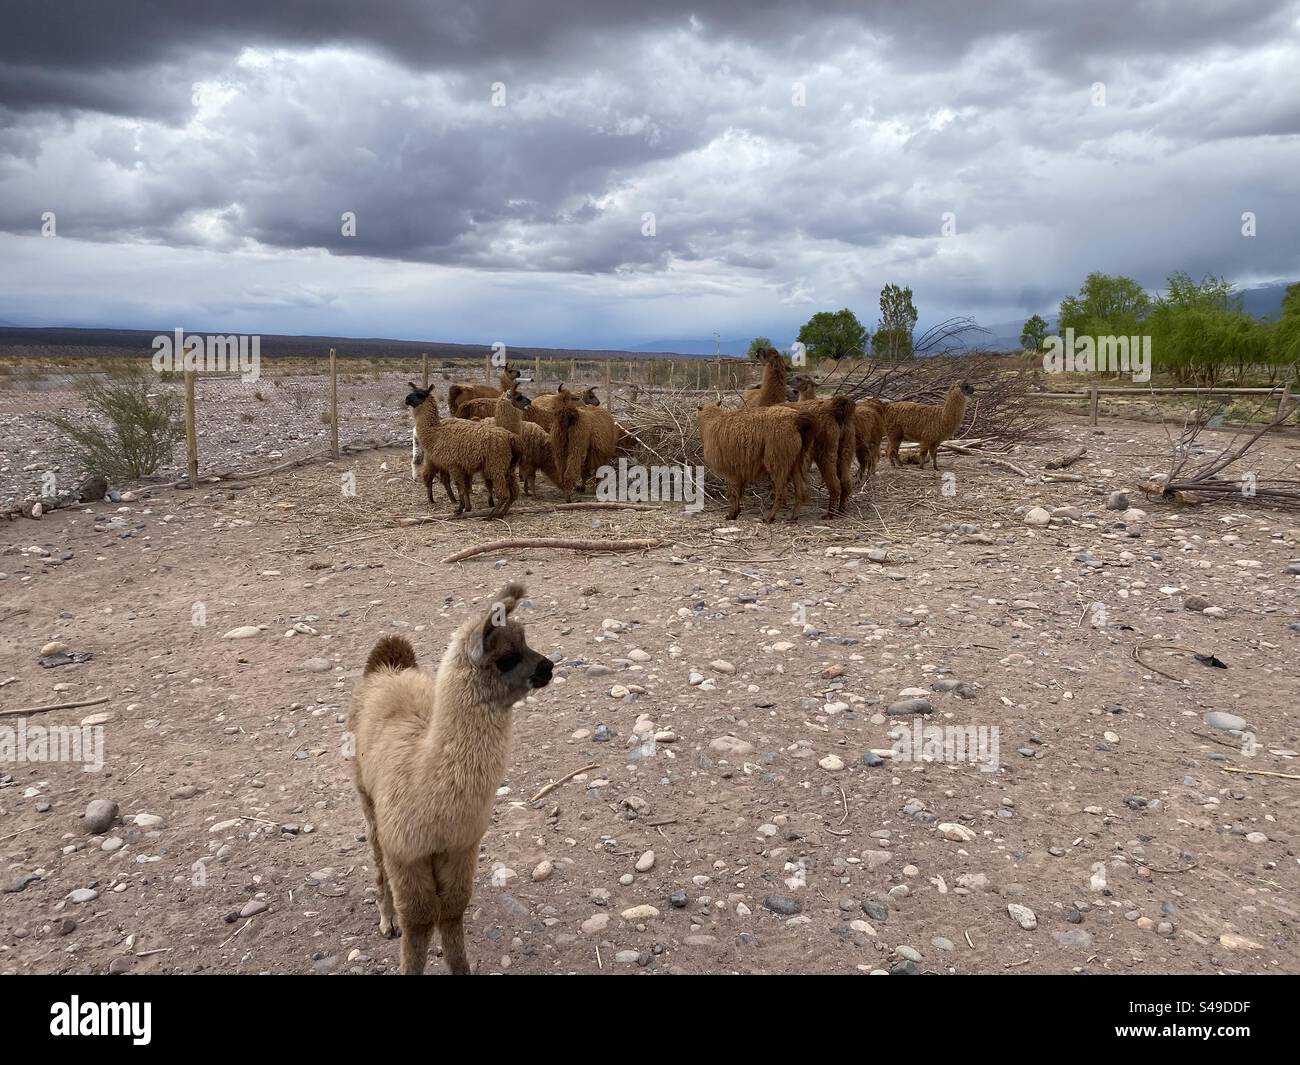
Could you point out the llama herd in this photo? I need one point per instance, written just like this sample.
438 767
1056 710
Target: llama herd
431 750
779 430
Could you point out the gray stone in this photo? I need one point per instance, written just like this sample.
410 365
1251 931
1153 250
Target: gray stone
1227 722
786 905
100 813
905 707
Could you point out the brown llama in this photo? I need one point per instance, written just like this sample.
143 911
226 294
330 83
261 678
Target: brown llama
741 446
583 439
462 449
774 388
430 754
869 429
926 423
458 394
538 453
834 446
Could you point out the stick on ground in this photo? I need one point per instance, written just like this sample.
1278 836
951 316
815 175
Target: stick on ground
54 706
564 545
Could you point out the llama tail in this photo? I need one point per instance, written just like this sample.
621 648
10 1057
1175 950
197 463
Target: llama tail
807 431
391 652
842 409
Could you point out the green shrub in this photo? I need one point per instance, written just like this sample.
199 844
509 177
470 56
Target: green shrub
128 429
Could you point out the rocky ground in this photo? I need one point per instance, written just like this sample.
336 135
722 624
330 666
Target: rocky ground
728 698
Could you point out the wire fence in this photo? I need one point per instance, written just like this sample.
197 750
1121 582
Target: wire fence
291 409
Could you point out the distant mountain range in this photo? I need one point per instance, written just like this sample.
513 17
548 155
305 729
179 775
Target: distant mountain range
1262 301
695 346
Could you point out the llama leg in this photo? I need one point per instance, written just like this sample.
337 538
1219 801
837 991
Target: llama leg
445 477
894 441
734 491
417 459
466 482
416 894
387 926
826 467
454 872
780 479
799 478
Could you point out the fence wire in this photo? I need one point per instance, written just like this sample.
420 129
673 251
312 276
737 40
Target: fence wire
285 412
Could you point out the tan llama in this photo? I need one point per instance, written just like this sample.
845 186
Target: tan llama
927 424
430 754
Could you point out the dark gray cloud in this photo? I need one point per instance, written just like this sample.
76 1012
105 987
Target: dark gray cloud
242 132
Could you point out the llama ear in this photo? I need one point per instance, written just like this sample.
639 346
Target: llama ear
498 612
411 385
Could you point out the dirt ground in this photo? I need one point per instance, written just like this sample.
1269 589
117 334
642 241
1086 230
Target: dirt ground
1110 816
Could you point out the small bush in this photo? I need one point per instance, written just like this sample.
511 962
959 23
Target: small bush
129 430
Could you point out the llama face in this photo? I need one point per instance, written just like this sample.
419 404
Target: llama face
589 398
518 399
417 395
505 666
967 389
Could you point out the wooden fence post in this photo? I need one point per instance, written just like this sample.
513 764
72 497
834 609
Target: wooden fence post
537 373
424 361
609 377
334 404
487 369
1286 397
191 432
1093 403
671 366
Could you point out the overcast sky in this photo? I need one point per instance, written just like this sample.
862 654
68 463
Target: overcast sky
501 160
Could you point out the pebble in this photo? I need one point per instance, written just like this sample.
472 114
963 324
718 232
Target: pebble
100 813
721 665
640 913
678 899
909 706
253 907
595 923
831 763
83 894
731 746
786 905
1024 916
954 832
646 862
1038 517
244 632
147 821
543 870
1228 722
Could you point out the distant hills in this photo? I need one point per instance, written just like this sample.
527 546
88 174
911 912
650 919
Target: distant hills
1262 301
110 343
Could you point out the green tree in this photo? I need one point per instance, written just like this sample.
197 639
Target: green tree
1033 333
834 335
758 344
1284 343
1199 331
893 339
1106 306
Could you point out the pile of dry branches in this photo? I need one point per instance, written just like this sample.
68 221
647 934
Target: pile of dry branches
664 427
1002 412
1203 481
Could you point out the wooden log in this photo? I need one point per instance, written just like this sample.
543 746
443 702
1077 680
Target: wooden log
191 432
334 404
1068 459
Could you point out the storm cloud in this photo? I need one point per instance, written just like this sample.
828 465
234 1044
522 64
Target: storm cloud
598 175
